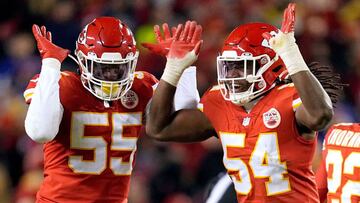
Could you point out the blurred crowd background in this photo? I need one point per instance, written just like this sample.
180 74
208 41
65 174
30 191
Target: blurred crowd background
326 31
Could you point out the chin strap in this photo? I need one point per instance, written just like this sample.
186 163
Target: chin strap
74 59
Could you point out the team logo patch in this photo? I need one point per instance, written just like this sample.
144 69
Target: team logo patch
272 118
130 100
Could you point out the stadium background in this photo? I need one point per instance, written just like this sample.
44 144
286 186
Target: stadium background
326 31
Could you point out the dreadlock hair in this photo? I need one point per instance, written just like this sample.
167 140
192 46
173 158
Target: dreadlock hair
329 80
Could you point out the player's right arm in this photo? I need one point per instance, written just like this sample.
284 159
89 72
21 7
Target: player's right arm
313 114
185 125
45 110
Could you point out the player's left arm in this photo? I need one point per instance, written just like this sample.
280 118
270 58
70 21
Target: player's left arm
316 110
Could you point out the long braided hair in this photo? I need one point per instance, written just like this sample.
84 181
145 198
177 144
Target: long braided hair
329 80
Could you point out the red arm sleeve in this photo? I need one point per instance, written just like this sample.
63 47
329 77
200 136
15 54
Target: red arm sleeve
321 180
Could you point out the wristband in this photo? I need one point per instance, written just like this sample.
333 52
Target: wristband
176 66
288 50
293 60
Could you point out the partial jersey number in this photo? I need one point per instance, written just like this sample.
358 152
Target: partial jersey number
340 167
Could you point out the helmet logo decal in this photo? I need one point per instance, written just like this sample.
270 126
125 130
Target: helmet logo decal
82 36
272 118
239 47
130 100
265 43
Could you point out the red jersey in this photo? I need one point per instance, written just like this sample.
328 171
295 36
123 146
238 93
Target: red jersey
264 154
92 156
339 172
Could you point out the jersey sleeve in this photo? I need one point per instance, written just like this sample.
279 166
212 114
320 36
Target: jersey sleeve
45 110
207 97
321 180
29 91
149 83
321 174
203 100
149 78
296 103
296 100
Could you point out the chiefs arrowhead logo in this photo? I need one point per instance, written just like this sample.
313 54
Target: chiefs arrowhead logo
272 118
130 100
82 37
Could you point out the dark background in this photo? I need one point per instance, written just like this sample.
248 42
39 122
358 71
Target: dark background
326 31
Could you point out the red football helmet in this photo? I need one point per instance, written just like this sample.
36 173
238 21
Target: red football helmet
247 66
107 55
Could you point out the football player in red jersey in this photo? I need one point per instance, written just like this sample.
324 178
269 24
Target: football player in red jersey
90 122
338 176
267 128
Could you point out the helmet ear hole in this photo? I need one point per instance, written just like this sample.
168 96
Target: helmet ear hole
277 68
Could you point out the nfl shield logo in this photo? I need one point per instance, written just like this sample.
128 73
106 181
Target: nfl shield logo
272 118
246 121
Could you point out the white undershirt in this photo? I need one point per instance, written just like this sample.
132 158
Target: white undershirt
187 95
45 111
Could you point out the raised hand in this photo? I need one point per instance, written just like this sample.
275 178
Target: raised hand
288 24
163 42
186 41
183 51
283 42
285 36
45 46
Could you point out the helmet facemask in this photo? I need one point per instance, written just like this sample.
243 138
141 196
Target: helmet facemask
259 68
109 77
240 77
107 55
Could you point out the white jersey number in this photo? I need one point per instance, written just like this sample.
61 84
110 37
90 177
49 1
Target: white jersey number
99 145
341 166
264 162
